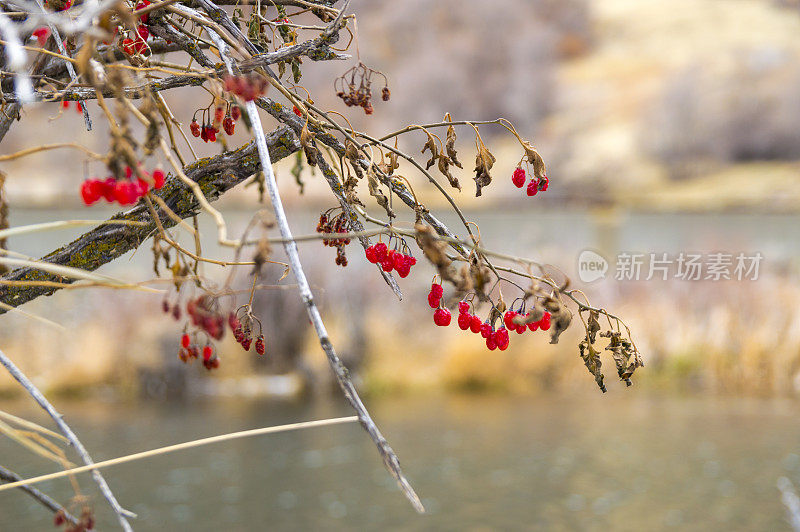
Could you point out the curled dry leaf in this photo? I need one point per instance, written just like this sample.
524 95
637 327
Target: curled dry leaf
536 161
626 358
430 144
450 146
591 357
483 164
377 193
444 168
592 326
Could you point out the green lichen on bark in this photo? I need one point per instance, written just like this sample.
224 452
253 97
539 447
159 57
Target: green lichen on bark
107 242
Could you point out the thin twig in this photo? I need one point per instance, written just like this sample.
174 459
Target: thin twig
73 439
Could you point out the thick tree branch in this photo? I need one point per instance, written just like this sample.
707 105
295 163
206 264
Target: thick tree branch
215 175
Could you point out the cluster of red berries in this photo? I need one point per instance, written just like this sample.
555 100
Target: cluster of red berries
208 131
534 186
84 522
138 45
204 313
355 88
247 87
124 191
190 351
543 324
243 332
390 259
495 338
335 224
78 106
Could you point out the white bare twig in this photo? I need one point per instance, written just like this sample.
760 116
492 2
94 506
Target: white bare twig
16 60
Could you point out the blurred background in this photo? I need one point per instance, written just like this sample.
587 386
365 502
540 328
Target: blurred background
667 127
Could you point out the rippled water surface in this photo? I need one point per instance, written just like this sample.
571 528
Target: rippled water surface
622 461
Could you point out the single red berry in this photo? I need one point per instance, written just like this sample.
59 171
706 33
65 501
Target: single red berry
518 177
508 319
464 321
165 306
91 190
442 317
296 110
108 188
475 324
490 343
543 183
501 338
521 329
41 35
486 330
398 260
228 125
433 300
141 187
65 104
463 307
534 325
236 113
78 107
246 343
219 112
194 127
403 270
381 251
387 264
533 187
233 321
185 340
143 32
158 178
59 519
260 348
437 289
207 352
372 255
544 323
127 46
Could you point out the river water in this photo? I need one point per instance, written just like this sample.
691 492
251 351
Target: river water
621 461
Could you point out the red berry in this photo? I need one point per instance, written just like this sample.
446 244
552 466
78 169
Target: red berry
372 254
41 35
508 319
404 270
228 125
260 348
219 112
207 352
533 187
475 324
141 187
194 127
490 343
127 46
486 330
464 321
381 251
534 325
91 190
65 104
543 184
246 343
236 113
158 178
463 307
233 321
437 289
433 301
185 340
442 317
501 338
518 177
544 323
387 264
521 329
297 111
143 32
